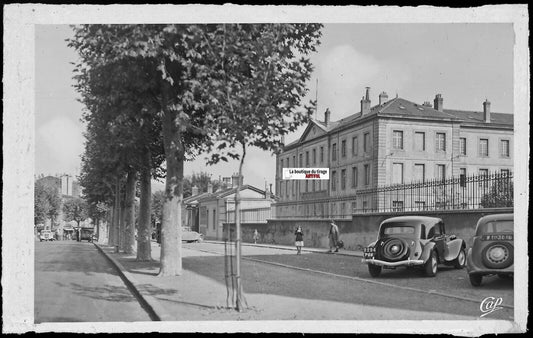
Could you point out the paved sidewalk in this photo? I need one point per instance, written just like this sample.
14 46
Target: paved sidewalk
195 297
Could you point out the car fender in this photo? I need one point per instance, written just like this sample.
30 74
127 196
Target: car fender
454 247
426 251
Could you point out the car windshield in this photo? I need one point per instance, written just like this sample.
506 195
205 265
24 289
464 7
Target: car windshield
497 226
398 228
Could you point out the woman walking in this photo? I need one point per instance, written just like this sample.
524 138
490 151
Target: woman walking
299 240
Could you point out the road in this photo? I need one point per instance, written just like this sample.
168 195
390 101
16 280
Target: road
75 283
345 279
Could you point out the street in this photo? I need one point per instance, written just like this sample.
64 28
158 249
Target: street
75 283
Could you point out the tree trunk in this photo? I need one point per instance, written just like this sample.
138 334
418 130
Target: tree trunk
144 248
171 264
239 297
129 212
110 227
116 215
121 225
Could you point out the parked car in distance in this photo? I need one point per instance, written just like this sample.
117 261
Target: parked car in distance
189 236
86 234
46 235
414 241
492 251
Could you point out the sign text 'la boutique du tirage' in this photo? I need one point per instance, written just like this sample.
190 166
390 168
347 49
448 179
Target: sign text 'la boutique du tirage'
306 173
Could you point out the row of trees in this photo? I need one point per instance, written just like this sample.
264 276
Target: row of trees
160 95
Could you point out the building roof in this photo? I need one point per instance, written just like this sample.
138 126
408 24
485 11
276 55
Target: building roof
220 194
399 107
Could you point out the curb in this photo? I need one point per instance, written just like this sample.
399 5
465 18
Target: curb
149 303
274 246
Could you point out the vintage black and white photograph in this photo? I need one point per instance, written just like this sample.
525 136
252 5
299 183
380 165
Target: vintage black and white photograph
265 169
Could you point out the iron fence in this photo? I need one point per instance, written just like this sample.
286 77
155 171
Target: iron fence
492 190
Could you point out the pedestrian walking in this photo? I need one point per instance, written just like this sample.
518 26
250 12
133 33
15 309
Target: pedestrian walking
299 242
256 236
333 237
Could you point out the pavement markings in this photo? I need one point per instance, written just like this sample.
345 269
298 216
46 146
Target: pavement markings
432 292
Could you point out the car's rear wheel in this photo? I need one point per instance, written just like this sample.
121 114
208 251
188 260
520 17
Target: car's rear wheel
430 267
504 276
498 255
475 280
460 261
374 270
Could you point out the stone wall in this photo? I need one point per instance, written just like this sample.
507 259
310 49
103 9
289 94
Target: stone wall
358 231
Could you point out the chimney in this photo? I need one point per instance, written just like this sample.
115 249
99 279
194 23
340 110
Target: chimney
486 111
437 103
266 190
383 97
234 180
209 188
226 181
194 190
426 104
270 188
327 116
365 102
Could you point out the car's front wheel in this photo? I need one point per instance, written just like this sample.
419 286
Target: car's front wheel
475 280
460 261
375 270
430 267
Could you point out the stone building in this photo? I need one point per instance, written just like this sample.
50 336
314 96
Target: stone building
206 212
396 141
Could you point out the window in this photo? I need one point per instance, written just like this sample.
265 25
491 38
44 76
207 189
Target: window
441 172
483 179
419 174
333 180
321 154
484 147
287 189
314 156
504 148
343 208
354 177
420 205
334 152
367 174
397 205
354 206
355 146
293 188
343 148
440 142
366 143
462 177
214 219
343 179
306 185
294 161
313 185
397 173
301 160
397 139
505 172
307 158
462 146
420 141
365 205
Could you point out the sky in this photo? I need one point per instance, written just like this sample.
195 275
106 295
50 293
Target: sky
465 62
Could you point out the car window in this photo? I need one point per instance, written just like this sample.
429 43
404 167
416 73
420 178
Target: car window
497 226
392 229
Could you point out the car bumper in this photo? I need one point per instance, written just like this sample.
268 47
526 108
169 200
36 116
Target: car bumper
408 262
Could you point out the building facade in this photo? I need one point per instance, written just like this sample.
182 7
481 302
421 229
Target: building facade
394 142
207 212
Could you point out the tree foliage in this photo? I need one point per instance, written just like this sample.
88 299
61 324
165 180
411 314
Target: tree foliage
47 201
75 209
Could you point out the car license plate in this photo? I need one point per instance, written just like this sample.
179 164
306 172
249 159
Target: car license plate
369 252
509 237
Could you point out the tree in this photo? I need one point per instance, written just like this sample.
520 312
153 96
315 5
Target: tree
47 201
259 78
201 181
501 192
75 209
